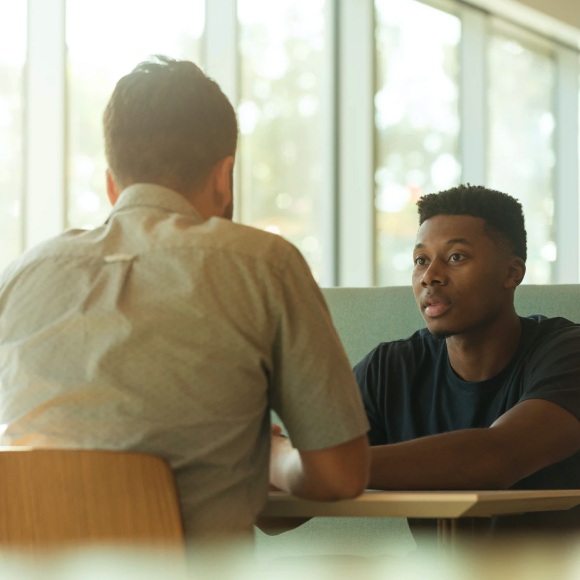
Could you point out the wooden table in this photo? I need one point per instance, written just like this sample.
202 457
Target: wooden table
445 506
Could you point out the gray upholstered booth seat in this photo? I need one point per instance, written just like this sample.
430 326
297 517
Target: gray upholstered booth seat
364 317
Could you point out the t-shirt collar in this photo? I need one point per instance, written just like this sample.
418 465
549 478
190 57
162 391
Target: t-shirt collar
152 195
497 380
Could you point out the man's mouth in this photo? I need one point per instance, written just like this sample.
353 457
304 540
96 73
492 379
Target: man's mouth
436 307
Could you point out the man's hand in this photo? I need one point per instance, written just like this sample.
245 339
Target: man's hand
275 526
281 451
276 432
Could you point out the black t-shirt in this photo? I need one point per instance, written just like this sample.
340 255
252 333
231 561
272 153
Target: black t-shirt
410 390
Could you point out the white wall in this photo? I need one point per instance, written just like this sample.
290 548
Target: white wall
567 11
557 19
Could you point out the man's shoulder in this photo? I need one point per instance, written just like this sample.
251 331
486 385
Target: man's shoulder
220 235
242 240
420 345
547 333
546 328
53 247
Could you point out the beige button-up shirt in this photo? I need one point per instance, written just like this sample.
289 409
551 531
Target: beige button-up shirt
162 333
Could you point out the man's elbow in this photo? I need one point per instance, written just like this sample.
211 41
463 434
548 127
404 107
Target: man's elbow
347 487
350 480
356 472
502 473
354 488
340 472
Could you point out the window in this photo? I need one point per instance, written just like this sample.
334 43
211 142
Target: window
521 147
416 122
282 52
349 111
105 40
12 60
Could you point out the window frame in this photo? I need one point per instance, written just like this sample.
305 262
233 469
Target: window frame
45 186
348 197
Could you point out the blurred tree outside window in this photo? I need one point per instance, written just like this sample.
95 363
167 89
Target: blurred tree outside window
521 153
282 52
12 60
283 58
416 124
106 39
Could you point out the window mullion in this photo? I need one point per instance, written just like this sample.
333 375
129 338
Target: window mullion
356 143
221 58
473 95
45 191
566 216
329 193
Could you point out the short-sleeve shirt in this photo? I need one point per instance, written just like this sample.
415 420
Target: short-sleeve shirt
159 332
410 390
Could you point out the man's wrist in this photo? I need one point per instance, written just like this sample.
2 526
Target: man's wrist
281 462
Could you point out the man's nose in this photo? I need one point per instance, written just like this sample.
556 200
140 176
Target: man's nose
433 275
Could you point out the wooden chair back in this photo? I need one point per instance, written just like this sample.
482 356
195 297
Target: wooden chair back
57 498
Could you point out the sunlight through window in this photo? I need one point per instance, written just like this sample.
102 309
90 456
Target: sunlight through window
282 51
106 39
416 122
12 61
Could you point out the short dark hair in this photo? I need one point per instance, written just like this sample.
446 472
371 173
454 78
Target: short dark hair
167 121
502 213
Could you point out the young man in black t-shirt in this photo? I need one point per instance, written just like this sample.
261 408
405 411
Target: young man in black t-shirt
481 398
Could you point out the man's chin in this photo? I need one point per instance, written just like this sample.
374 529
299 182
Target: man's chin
442 335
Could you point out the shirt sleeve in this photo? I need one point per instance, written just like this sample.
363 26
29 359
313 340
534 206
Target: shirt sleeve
555 373
313 388
367 374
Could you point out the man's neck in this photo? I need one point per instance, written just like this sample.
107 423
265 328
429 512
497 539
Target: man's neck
480 354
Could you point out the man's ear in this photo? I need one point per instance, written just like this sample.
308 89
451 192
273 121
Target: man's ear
112 190
516 272
222 178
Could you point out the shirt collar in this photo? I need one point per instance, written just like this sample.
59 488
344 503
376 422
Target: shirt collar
152 195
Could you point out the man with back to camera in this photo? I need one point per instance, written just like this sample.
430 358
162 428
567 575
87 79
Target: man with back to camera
481 398
172 330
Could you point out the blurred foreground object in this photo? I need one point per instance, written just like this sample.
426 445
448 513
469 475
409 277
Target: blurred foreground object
53 498
540 559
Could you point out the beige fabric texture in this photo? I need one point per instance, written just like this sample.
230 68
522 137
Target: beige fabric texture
162 333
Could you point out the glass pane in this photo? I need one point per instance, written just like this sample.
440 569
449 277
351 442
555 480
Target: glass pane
281 148
521 151
12 60
106 39
417 124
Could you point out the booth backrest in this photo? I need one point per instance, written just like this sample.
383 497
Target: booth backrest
365 317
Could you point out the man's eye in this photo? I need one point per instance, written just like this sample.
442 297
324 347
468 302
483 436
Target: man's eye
419 261
455 257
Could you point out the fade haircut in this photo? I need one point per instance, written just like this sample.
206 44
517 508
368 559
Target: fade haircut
503 215
167 122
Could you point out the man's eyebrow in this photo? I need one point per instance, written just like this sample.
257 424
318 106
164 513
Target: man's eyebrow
449 243
459 241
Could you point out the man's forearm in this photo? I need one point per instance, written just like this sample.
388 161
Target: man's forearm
469 459
287 473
